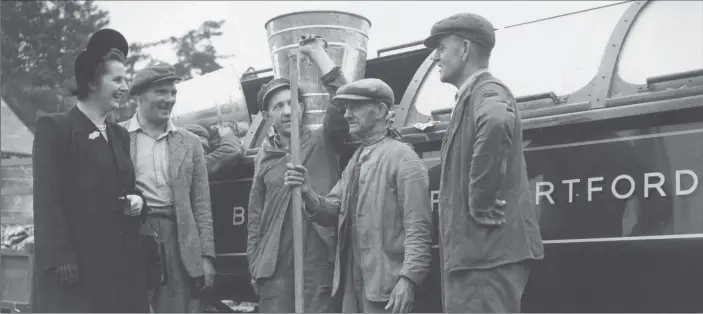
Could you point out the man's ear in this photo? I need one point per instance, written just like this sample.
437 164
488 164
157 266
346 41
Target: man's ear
383 110
265 115
466 45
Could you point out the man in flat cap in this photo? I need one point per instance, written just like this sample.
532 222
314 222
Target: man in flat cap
222 153
381 207
489 231
171 173
269 224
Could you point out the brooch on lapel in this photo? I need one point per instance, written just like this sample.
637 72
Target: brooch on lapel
93 135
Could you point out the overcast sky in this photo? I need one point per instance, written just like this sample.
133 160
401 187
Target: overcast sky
392 22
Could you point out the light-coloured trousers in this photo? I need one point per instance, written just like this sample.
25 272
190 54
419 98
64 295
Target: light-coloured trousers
176 296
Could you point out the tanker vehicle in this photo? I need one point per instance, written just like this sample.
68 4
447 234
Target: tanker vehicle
612 105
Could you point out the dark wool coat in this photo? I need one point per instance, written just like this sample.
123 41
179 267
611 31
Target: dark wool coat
482 161
78 218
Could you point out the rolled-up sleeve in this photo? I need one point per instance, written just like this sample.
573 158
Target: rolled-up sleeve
495 120
413 195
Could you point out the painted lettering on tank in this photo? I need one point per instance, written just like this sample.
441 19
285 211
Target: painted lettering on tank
651 184
238 216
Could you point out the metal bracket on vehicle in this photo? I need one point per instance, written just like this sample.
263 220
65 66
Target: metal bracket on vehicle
604 79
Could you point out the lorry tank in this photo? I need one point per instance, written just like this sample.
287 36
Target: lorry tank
612 106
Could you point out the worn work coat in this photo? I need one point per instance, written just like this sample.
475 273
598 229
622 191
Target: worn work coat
482 161
393 219
78 178
226 155
269 199
191 195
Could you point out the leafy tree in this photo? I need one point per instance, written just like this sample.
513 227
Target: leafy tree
40 42
196 55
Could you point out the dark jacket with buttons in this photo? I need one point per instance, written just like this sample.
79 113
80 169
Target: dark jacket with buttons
78 178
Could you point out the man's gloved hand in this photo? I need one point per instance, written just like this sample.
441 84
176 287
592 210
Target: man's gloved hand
67 273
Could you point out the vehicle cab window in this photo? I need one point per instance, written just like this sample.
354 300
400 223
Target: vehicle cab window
664 39
559 55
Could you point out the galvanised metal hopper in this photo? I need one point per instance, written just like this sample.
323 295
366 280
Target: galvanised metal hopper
347 38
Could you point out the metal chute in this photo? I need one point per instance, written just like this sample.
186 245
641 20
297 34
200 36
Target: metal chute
215 98
347 38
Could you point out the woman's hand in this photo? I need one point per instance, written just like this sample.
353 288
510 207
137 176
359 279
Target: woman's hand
132 205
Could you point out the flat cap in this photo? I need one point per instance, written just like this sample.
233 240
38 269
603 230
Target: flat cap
267 90
100 43
366 89
150 75
466 25
198 130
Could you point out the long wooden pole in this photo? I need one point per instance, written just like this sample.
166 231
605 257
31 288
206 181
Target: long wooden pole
296 197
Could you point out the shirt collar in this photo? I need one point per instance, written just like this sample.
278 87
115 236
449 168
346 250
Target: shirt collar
469 82
135 126
275 140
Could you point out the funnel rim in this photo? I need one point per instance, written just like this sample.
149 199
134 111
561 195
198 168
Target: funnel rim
316 11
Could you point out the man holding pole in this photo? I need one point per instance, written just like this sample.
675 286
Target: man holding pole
270 224
381 205
488 226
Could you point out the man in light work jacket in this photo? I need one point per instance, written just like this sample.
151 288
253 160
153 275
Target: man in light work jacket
489 230
171 173
270 224
381 207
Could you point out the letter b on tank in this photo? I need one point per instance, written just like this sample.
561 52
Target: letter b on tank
238 216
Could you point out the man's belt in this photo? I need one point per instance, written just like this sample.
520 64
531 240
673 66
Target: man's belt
168 211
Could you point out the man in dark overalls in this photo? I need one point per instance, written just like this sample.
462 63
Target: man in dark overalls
270 225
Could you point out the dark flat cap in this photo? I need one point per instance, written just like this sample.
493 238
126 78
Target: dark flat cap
100 43
366 89
198 130
150 75
466 25
267 90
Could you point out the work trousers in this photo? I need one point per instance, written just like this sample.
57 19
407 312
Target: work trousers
177 295
495 290
277 293
353 297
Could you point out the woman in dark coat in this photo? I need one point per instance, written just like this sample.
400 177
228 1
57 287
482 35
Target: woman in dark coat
87 212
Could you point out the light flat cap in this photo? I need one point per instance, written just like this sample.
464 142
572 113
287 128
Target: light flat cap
466 25
151 75
366 89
